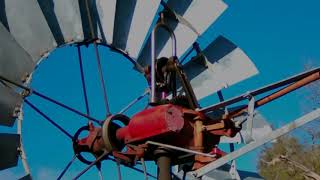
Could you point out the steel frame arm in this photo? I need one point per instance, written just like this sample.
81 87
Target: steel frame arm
247 148
313 72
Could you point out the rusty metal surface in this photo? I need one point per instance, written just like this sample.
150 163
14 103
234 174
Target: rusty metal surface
292 87
260 128
64 19
222 65
28 26
260 90
8 102
9 144
15 62
251 146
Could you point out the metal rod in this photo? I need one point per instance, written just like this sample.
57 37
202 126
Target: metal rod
92 164
180 149
65 106
133 102
153 66
83 81
103 86
249 147
144 168
48 119
100 174
294 86
98 59
260 90
134 168
153 54
118 169
67 167
49 99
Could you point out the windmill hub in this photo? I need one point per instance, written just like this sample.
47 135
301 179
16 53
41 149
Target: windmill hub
170 124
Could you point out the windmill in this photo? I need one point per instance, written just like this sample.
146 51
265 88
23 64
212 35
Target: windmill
156 37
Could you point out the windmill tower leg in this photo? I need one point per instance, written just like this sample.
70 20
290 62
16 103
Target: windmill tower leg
164 167
164 164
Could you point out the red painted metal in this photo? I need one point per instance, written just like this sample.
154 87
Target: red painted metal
157 121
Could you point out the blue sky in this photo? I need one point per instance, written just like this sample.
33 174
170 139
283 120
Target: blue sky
279 36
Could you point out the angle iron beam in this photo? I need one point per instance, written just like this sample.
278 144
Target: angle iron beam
247 148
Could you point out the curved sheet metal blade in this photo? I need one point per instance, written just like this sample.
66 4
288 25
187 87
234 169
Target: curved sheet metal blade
124 16
28 26
143 15
180 7
8 102
221 64
199 13
64 20
15 62
9 154
104 15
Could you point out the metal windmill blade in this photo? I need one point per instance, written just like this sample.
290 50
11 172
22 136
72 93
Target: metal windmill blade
211 10
218 66
63 19
30 29
15 62
9 105
26 22
9 144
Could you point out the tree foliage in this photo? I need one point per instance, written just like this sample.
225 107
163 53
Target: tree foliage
289 159
296 157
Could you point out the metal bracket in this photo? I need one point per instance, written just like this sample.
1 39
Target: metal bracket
251 107
233 171
247 138
249 147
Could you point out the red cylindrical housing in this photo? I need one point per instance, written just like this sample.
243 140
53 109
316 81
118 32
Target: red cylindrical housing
158 121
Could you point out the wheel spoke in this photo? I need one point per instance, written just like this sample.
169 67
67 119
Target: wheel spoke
65 106
93 35
92 164
103 86
83 81
133 102
134 168
67 167
48 119
30 90
100 174
118 169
